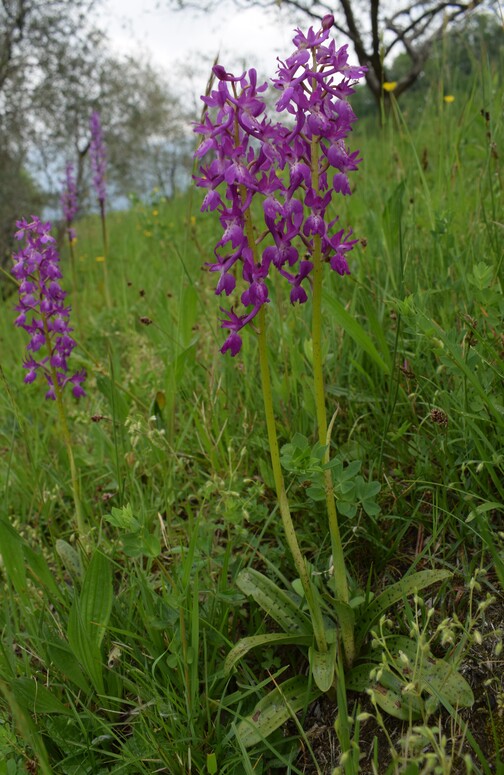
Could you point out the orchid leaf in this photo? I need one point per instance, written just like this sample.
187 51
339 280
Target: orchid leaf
274 601
273 710
267 639
407 586
438 676
323 664
387 692
89 617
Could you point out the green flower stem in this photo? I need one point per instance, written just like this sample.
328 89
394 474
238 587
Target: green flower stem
340 580
340 576
288 525
108 300
82 527
283 503
73 264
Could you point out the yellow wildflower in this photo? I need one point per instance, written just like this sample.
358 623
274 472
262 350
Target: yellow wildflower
449 98
100 259
389 85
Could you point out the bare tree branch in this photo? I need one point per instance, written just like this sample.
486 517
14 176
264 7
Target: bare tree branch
414 27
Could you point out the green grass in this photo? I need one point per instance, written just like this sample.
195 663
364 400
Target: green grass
176 431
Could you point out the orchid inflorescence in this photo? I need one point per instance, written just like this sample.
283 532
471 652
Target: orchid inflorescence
287 164
69 200
98 157
42 310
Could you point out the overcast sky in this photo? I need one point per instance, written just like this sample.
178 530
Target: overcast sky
170 38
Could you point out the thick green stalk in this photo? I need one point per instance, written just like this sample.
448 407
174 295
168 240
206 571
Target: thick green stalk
288 525
283 503
340 579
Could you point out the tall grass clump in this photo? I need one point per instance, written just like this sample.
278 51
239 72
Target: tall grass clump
293 560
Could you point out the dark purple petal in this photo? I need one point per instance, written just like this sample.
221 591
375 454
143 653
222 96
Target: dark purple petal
341 184
339 264
233 343
298 294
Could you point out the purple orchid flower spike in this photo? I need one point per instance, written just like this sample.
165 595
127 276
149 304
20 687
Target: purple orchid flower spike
294 167
42 310
98 157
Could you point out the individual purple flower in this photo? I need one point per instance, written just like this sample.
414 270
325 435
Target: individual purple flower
42 310
69 201
98 158
233 343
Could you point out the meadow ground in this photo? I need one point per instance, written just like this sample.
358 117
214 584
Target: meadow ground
171 452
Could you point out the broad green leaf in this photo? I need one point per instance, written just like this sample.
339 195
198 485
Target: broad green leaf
349 323
273 710
66 662
34 696
11 549
123 519
151 545
89 617
357 679
322 665
18 557
446 683
268 639
84 648
95 600
39 571
70 558
132 544
438 676
407 586
425 673
392 698
387 692
274 601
